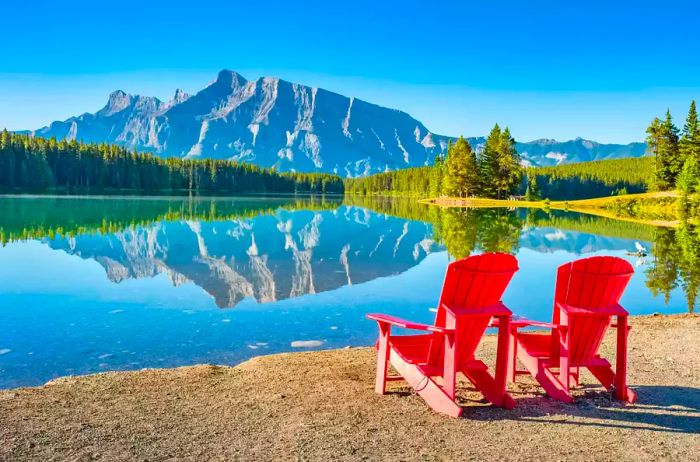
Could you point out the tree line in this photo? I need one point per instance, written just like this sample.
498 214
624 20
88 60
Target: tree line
584 180
461 172
413 181
34 164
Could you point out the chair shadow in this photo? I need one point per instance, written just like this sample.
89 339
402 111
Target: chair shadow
658 408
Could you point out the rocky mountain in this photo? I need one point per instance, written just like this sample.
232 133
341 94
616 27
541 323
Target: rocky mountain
546 152
293 127
269 122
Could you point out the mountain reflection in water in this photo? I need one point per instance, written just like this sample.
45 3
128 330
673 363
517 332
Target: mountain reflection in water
275 248
269 257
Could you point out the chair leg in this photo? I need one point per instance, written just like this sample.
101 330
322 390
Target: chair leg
449 375
431 392
622 392
512 359
547 380
488 386
606 376
382 358
564 363
564 373
575 374
502 353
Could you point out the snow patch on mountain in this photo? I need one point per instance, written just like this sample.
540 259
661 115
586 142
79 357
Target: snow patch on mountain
406 156
346 121
558 157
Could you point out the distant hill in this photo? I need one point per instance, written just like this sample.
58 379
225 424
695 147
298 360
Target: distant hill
274 123
545 152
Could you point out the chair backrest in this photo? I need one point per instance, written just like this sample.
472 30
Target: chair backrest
595 282
473 282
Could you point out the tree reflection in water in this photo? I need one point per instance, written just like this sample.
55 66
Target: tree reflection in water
676 251
676 262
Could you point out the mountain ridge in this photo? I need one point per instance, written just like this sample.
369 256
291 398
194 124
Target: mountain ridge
272 122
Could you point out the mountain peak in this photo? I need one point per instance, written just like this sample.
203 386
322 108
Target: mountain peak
229 78
179 96
118 94
588 144
118 101
545 141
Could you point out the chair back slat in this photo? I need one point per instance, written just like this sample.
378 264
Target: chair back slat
590 283
470 283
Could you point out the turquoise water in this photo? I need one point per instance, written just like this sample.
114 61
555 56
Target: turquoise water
91 285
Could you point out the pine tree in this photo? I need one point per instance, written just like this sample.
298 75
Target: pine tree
688 180
499 165
689 144
436 174
488 162
510 170
663 142
532 192
653 136
461 177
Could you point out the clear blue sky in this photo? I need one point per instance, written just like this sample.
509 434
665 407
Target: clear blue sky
600 70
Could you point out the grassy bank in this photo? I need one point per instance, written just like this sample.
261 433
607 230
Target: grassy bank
321 406
655 208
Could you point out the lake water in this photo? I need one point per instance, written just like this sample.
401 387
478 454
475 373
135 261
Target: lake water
90 285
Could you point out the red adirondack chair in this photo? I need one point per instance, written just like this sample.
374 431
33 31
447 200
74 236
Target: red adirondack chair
586 298
471 297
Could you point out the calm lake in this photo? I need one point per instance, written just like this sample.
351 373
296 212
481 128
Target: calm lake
90 285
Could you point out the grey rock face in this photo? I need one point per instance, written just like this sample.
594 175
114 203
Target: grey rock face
269 122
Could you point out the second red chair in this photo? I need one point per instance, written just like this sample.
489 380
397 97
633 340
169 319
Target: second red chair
586 298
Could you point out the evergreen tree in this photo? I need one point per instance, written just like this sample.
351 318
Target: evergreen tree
663 142
488 162
436 175
653 132
510 171
688 181
499 165
532 192
461 177
689 144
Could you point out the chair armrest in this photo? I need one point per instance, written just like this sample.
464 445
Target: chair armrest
519 322
498 309
394 321
612 310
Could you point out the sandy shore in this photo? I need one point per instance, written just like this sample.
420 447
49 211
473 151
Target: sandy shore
320 406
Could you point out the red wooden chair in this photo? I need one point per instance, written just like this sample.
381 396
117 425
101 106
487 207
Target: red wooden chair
471 297
586 298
